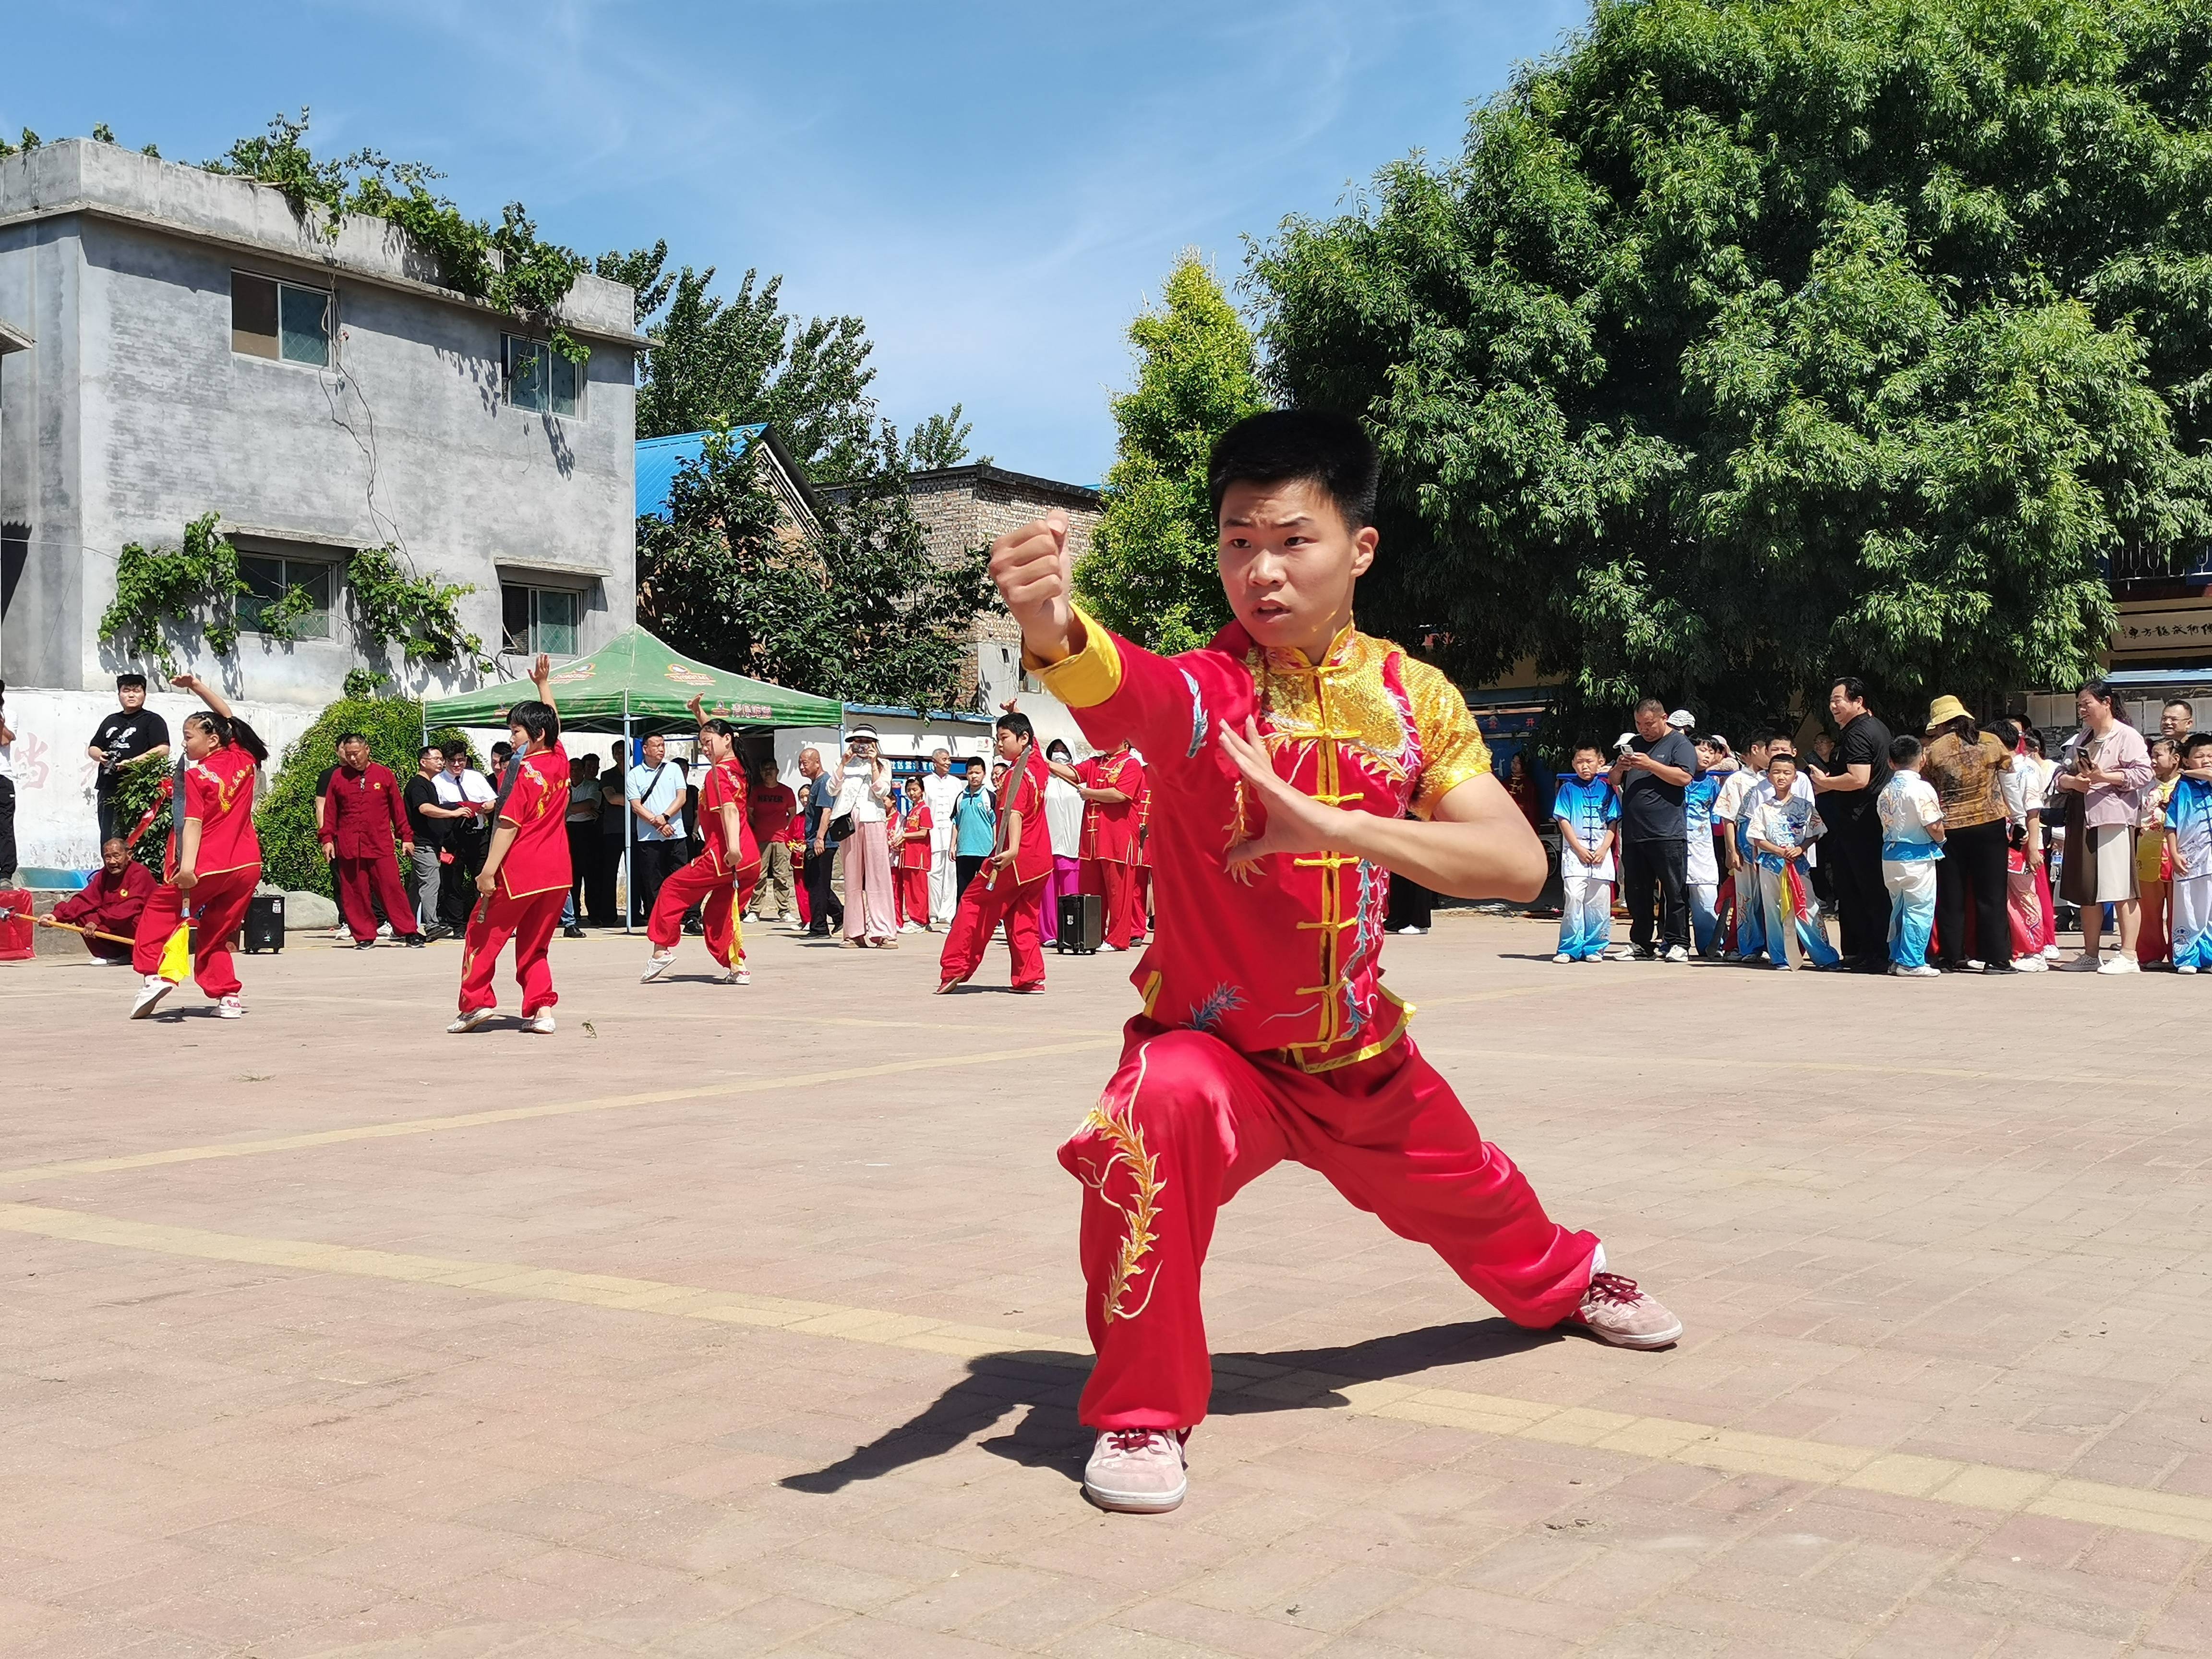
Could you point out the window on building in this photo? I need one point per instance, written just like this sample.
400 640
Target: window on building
539 619
287 321
540 378
268 579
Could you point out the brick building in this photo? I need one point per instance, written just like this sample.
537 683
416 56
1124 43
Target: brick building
966 507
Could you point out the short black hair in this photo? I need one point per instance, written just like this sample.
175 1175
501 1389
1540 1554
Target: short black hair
2006 732
974 763
1780 755
1773 737
536 718
1310 445
721 728
437 749
2179 702
345 737
1591 747
1651 706
1854 687
1019 724
2195 741
129 682
1903 747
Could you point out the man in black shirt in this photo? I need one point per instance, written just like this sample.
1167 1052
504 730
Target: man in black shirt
1846 791
1652 774
430 822
134 735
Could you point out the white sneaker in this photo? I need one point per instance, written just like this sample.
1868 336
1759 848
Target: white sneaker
541 1023
384 930
2184 966
1923 971
1975 965
736 976
1137 1472
1109 950
150 994
2118 963
2051 952
229 1008
468 1022
1563 957
1676 953
656 965
1413 930
2030 963
910 927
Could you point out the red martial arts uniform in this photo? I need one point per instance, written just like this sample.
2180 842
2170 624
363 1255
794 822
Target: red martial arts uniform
1012 895
711 879
219 797
532 885
1267 1032
910 866
1110 843
1140 865
364 819
110 904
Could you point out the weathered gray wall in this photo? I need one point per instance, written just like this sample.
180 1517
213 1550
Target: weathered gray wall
146 419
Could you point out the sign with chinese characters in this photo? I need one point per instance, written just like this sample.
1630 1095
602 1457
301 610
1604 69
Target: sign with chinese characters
2163 628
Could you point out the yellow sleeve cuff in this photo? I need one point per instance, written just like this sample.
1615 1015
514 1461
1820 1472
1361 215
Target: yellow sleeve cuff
1089 676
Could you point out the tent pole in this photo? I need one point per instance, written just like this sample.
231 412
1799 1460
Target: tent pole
630 822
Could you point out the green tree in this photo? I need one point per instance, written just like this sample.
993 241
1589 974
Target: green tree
858 610
939 442
1151 572
1752 341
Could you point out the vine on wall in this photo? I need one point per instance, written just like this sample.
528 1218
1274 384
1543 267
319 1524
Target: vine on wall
421 614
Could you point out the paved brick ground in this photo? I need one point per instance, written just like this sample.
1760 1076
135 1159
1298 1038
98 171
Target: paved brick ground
1961 1221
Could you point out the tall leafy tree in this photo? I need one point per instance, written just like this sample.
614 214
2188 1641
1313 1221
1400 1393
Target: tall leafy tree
939 441
1753 341
1152 571
858 611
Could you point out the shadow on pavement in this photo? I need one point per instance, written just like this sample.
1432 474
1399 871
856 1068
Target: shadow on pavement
1048 1383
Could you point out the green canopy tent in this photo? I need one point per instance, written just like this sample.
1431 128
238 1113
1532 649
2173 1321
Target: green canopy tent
636 685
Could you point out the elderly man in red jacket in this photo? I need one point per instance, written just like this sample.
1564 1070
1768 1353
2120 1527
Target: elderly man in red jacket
110 902
362 817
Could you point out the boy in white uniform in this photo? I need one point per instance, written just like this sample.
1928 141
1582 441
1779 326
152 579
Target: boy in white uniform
1743 873
1783 824
1912 841
1588 812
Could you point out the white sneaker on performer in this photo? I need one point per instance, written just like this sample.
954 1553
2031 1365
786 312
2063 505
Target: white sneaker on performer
1563 957
384 930
1613 1311
2031 963
229 1008
468 1022
150 994
2184 966
1109 950
656 965
1136 1471
735 976
541 1023
1676 953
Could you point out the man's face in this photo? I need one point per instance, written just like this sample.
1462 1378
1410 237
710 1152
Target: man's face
132 697
1757 754
1842 708
429 765
2177 721
1010 747
113 855
1289 563
354 754
810 764
458 761
941 763
1651 724
656 750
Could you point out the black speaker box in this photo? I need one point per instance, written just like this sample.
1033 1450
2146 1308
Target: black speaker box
264 922
1082 924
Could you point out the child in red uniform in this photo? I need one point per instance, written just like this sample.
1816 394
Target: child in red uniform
525 875
1285 754
910 860
723 878
214 859
1010 887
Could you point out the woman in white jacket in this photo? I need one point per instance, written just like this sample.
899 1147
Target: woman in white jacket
864 795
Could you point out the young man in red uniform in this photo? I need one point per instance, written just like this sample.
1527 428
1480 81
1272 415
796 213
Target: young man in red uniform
721 878
214 857
1111 784
1010 887
910 857
1286 755
524 878
363 814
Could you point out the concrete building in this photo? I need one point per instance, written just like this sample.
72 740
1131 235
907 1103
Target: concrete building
195 346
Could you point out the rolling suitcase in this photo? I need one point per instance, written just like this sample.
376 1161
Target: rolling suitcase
1082 924
264 923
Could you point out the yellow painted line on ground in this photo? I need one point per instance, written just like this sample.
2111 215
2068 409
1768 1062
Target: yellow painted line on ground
424 1126
1985 1487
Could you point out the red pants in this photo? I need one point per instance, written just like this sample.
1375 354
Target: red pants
983 907
1120 910
530 923
2153 940
913 896
218 906
1188 1120
719 894
357 878
1141 899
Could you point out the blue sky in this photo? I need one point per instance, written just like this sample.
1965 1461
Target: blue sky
995 188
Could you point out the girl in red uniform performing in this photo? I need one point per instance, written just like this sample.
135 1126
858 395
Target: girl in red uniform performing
1010 887
723 878
1284 754
910 860
214 857
525 876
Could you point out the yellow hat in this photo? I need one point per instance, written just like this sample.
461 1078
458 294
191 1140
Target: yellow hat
1944 710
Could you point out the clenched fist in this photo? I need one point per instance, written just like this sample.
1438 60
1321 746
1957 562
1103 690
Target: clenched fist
1036 577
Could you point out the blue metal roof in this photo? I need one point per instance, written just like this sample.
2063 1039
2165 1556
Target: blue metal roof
658 460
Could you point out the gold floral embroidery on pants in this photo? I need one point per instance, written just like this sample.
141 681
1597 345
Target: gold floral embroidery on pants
1119 1130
